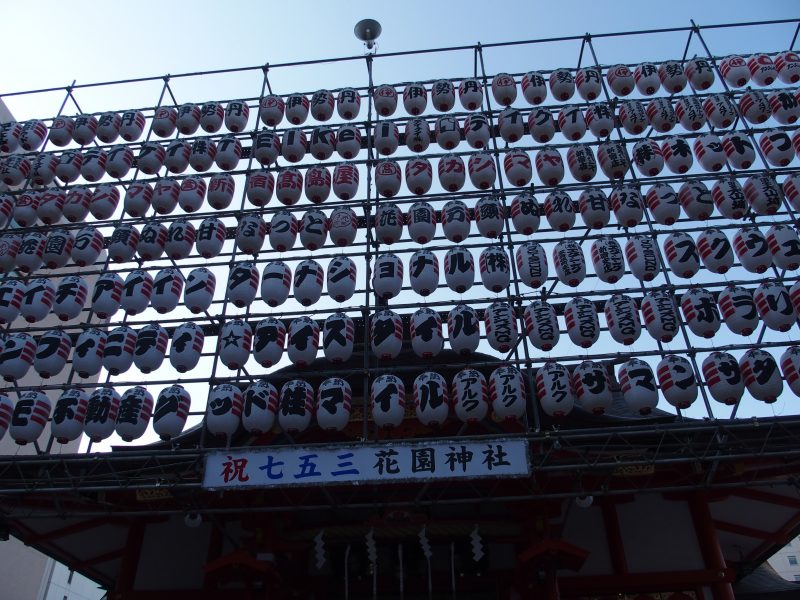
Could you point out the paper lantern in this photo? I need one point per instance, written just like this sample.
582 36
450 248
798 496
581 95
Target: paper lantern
322 105
152 241
202 154
777 147
569 262
648 158
690 113
58 248
622 317
29 418
70 297
774 306
784 244
288 186
224 410
646 78
423 272
338 335
270 336
252 230
242 283
524 213
38 299
348 103
136 292
308 277
165 120
426 333
386 334
600 119
131 125
459 269
345 181
470 94
221 187
504 89
313 229
17 355
30 252
188 119
180 239
343 226
715 250
267 147
728 197
43 169
709 152
260 407
236 114
387 401
11 295
348 141
723 378
660 316
541 324
26 208
754 106
447 132
9 248
193 191
734 70
560 210
696 200
341 278
165 195
638 385
135 409
388 223
455 221
417 135
582 165
677 381
69 415
620 80
626 200
752 249
61 131
211 117
151 347
199 291
431 399
229 152
511 125
118 353
501 326
187 345
554 389
762 69
549 166
107 294
588 82
700 310
33 133
661 114
124 242
517 167
387 276
293 145
463 329
177 159
419 176
172 408
592 387
271 110
93 167
469 396
790 366
607 259
52 351
785 107
700 73
613 159
87 358
235 342
334 398
719 110
788 67
167 290
387 178
495 269
738 309
210 237
282 232
386 138
482 171
318 183
681 254
761 375
477 131
421 222
583 326
533 87
633 117
15 169
541 125
489 216
384 97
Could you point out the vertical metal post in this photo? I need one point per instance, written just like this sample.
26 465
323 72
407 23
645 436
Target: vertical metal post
367 207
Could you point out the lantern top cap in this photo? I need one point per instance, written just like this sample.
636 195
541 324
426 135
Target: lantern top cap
367 30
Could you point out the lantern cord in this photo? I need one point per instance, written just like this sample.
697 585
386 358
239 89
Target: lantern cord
400 563
453 568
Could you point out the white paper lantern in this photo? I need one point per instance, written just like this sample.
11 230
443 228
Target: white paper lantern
199 291
224 410
592 387
341 278
607 259
677 381
334 399
348 141
761 375
87 359
180 239
151 347
501 326
387 276
620 80
681 254
318 184
308 278
386 138
459 269
504 89
288 186
107 294
386 334
313 229
61 131
423 272
723 378
419 176
193 191
338 335
135 409
282 231
762 69
638 385
790 366
260 406
167 290
463 329
69 414
242 283
589 83
489 216
701 312
660 316
447 132
715 250
583 326
210 237
58 248
495 269
426 333
296 406
387 401
29 418
554 389
17 355
388 176
345 181
417 135
152 241
384 98
738 309
118 353
235 342
541 324
70 297
165 120
775 306
511 125
455 220
626 200
343 226
622 317
709 152
431 399
165 195
187 345
172 408
752 249
569 262
252 230
270 336
33 134
661 114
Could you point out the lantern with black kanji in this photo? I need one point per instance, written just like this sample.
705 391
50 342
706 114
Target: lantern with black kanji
677 381
224 410
187 345
638 385
135 410
338 334
69 414
52 351
387 401
341 278
260 406
101 413
431 399
723 378
199 291
622 317
541 324
423 272
151 347
554 389
172 408
269 339
29 418
463 329
334 398
761 375
660 316
738 309
426 333
308 278
118 352
386 334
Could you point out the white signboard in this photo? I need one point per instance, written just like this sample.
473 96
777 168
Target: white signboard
374 463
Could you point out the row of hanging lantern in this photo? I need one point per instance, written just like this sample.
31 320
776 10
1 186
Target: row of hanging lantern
741 309
261 406
649 157
646 78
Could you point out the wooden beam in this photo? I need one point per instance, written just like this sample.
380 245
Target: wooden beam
644 582
768 497
616 545
79 527
738 529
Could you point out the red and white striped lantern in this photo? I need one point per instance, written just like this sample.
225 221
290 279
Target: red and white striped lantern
762 69
459 269
696 200
447 132
318 183
176 161
790 366
343 226
554 389
571 123
777 147
734 70
738 310
607 259
763 194
613 159
419 175
677 381
541 125
723 378
588 80
592 387
388 177
622 317
700 73
387 401
531 264
560 210
387 276
633 117
620 80
297 107
427 340
738 149
709 152
541 324
701 312
549 166
470 94
775 306
511 125
660 316
715 250
594 209
423 272
386 334
638 385
583 326
569 262
761 375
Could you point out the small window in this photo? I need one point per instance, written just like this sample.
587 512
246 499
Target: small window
792 560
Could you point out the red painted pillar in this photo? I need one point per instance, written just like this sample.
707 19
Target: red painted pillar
709 546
